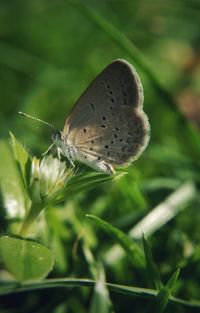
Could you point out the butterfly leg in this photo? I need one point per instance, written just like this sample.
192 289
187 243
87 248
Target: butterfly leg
71 162
59 156
59 151
47 151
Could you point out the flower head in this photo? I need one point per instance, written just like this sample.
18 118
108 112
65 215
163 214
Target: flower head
48 176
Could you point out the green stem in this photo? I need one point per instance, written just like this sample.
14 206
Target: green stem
30 218
83 282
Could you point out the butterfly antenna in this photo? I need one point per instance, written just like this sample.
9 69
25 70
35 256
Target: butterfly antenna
35 118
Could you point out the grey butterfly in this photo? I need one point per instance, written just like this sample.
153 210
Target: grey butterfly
107 126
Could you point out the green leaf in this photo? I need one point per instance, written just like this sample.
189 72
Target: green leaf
151 267
133 250
83 182
26 260
12 189
22 157
163 296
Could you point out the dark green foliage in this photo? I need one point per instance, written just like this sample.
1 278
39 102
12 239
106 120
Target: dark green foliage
49 53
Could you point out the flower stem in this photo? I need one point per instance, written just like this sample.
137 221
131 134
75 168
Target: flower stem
30 218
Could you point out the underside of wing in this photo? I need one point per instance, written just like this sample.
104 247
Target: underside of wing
118 85
116 136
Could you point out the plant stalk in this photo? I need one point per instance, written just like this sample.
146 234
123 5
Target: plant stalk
30 218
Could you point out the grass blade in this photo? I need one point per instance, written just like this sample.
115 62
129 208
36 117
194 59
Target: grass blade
11 288
133 250
101 302
163 296
166 210
151 267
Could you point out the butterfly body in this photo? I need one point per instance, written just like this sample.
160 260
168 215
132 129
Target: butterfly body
68 149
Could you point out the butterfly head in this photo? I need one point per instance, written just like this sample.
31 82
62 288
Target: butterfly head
62 145
57 137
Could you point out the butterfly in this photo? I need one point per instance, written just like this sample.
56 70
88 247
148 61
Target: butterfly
107 126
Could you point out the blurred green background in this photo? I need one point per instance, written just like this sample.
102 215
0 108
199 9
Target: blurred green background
49 53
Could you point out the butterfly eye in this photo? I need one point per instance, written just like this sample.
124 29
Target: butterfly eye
56 135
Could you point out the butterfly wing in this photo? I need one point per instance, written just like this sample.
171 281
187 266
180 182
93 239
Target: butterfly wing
118 139
118 84
107 123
